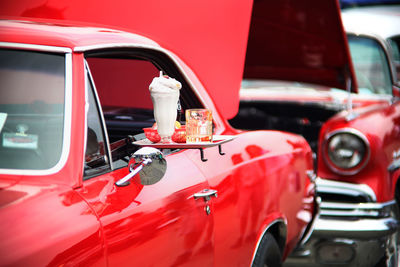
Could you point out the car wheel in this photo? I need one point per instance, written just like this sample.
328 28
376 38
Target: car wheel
268 253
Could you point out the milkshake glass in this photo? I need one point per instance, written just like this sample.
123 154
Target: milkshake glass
164 93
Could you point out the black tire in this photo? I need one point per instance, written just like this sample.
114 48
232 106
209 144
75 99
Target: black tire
268 253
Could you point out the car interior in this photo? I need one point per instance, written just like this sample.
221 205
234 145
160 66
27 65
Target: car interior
120 80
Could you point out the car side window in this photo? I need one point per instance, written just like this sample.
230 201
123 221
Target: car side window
395 44
32 107
96 161
371 66
121 80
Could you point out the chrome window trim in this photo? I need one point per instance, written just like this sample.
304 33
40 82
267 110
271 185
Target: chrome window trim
67 117
83 49
276 221
103 123
353 132
34 47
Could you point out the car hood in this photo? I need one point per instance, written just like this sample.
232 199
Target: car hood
300 40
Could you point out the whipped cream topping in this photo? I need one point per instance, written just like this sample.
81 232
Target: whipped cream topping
164 84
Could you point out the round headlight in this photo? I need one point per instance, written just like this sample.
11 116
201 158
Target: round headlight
347 151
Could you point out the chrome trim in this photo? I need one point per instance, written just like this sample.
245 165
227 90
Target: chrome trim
357 209
311 175
367 226
356 229
103 123
262 235
136 170
86 112
206 194
394 166
396 154
83 49
357 134
44 48
340 188
67 126
370 235
307 235
351 115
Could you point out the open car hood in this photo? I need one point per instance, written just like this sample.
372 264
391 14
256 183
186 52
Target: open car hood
299 40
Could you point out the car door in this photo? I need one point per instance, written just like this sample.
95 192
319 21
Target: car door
145 225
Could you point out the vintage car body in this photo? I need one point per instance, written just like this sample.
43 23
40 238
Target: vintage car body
358 222
73 100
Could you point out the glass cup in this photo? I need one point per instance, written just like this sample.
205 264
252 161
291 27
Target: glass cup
198 126
165 112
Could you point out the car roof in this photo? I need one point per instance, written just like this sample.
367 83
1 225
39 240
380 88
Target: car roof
383 21
67 35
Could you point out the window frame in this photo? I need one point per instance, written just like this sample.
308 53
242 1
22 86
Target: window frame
89 81
383 45
67 124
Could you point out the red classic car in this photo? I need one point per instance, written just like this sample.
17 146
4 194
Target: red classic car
81 186
355 137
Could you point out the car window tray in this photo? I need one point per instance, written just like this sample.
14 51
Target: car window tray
218 140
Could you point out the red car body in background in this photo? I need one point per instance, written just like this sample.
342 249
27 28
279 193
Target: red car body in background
355 138
74 101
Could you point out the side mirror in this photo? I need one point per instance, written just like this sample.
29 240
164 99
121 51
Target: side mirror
149 163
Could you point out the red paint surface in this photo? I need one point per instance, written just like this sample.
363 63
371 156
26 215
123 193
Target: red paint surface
59 219
381 125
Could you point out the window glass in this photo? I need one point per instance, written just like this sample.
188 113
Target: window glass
32 89
122 86
121 79
395 44
95 154
371 66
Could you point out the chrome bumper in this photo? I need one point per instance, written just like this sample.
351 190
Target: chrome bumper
349 233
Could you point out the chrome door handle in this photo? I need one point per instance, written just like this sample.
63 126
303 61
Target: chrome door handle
207 194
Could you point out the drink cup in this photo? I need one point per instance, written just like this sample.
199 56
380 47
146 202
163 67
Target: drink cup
164 92
198 126
165 111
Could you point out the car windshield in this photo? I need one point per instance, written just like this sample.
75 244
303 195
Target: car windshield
32 86
371 66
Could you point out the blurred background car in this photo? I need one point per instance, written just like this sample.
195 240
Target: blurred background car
355 136
382 21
